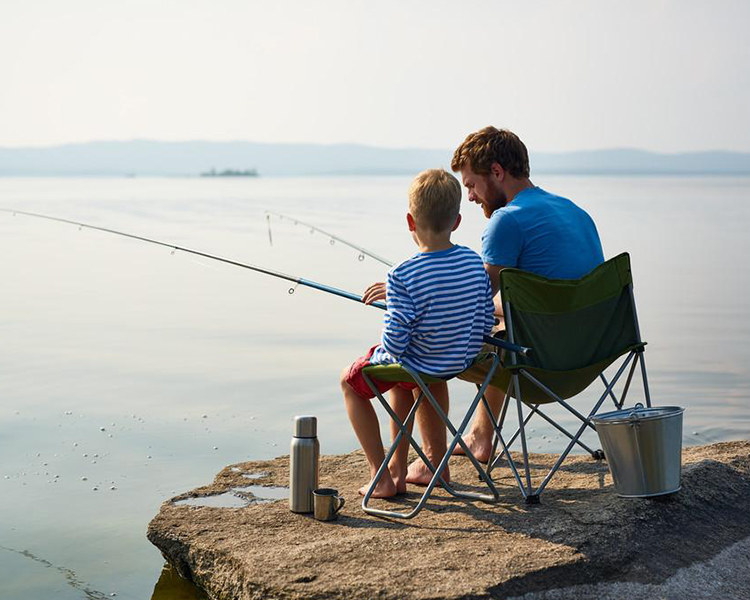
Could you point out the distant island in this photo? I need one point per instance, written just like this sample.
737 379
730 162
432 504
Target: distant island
230 173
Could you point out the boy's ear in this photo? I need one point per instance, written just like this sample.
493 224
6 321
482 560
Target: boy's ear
410 222
457 223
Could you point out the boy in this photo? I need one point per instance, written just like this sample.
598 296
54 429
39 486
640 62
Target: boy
439 307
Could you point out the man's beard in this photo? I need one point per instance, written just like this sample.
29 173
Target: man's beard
496 199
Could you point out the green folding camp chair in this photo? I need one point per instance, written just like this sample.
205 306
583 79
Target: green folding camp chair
402 373
575 329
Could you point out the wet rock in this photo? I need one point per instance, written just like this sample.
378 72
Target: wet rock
582 541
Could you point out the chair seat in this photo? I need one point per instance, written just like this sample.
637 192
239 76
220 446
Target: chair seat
395 372
565 384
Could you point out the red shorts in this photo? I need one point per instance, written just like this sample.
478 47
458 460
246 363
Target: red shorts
355 379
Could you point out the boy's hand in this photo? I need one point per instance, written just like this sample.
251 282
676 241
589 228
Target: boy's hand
374 293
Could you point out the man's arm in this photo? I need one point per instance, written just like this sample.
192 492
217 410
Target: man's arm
502 243
494 273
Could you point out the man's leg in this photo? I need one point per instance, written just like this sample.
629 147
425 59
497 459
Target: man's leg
432 431
479 436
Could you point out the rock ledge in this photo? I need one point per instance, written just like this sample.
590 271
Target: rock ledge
582 541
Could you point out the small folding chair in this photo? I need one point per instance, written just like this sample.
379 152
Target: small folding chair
402 373
575 329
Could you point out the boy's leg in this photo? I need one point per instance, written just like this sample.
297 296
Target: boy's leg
401 402
365 423
433 433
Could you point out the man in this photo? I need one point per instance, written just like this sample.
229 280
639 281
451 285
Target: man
528 229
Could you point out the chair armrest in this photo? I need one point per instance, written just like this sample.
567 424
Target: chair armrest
500 343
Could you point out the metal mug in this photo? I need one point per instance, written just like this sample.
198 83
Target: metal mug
327 503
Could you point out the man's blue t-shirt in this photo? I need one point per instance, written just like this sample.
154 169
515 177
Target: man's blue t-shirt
544 234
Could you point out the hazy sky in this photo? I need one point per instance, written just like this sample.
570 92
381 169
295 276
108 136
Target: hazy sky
670 75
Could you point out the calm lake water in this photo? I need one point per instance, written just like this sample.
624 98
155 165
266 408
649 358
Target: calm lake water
141 373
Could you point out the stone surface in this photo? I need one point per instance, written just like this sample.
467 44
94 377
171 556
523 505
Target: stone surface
582 541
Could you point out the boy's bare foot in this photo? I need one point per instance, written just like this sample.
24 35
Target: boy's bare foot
385 488
419 474
480 446
400 483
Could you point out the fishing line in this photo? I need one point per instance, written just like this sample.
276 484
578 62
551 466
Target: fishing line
297 281
270 237
332 238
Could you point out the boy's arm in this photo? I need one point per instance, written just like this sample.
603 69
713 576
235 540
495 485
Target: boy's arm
374 293
399 317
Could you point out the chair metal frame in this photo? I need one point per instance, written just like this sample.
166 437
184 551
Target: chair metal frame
531 495
457 439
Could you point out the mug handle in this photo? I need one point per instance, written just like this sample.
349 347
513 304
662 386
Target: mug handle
341 504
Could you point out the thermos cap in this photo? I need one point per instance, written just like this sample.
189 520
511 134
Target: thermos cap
305 426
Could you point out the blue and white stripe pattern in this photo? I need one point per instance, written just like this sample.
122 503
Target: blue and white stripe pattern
439 307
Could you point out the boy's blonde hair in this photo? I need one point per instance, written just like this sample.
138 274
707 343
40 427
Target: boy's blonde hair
435 200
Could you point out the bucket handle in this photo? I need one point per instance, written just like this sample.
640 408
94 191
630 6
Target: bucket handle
634 420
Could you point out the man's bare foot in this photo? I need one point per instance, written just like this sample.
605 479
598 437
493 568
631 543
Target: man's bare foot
480 446
419 474
385 488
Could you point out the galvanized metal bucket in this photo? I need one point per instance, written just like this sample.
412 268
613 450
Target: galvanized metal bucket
643 447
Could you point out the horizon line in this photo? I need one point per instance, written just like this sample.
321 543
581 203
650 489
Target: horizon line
358 144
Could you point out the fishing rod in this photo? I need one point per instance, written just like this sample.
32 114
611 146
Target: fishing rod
296 280
333 238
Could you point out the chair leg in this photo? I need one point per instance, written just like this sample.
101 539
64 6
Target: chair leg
567 450
527 494
562 430
641 356
582 428
458 433
530 494
559 400
497 430
491 417
436 471
619 403
611 393
627 382
403 431
517 432
535 410
511 463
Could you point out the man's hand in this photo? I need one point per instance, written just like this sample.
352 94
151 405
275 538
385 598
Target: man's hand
374 293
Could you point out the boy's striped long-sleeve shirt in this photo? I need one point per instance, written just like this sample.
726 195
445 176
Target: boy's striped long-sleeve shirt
439 307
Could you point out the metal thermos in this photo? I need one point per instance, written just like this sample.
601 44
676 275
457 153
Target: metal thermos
303 464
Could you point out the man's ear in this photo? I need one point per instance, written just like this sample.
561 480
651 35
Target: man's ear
497 170
457 223
410 222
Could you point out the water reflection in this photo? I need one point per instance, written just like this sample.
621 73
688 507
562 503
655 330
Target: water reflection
173 587
238 497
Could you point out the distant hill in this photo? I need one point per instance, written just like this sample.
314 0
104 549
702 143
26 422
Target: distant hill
155 158
629 161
